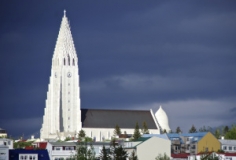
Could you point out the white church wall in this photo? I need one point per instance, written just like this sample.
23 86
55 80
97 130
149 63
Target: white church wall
103 134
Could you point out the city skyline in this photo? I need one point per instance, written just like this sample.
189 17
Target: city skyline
180 55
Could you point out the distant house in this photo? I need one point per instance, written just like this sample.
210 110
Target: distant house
22 154
67 150
6 142
193 143
61 150
228 145
149 147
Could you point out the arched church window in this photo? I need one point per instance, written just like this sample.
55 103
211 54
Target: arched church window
68 60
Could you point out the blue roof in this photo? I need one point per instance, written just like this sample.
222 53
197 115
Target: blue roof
197 134
14 154
173 135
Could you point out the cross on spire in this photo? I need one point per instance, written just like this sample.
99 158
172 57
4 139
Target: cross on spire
64 13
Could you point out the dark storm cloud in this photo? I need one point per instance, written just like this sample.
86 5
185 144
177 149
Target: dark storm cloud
131 55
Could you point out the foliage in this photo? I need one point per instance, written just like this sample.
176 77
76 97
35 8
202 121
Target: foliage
178 130
85 152
145 128
209 156
88 139
162 157
225 130
136 134
67 139
164 131
105 155
119 153
117 130
204 129
217 133
81 134
231 134
193 129
22 144
133 156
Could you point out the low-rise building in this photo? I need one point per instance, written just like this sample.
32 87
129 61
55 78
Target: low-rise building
149 147
193 143
228 145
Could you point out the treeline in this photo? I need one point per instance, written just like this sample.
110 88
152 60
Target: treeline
224 131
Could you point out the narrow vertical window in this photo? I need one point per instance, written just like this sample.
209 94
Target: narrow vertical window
64 61
68 60
73 61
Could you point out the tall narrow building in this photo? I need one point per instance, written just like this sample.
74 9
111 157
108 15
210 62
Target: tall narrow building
62 114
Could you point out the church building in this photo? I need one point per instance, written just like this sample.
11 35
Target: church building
63 116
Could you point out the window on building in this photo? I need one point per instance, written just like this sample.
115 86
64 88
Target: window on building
9 142
58 148
224 148
67 148
71 148
68 118
230 148
235 148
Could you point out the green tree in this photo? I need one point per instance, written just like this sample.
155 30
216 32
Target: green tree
145 128
22 144
117 130
136 134
225 130
217 133
85 151
193 129
178 130
133 156
162 157
105 155
231 134
82 134
119 153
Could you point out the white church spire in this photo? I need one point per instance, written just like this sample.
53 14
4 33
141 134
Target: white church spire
62 115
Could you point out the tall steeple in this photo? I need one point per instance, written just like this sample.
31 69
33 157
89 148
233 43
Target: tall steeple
62 115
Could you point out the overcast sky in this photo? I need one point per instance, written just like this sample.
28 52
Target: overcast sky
132 55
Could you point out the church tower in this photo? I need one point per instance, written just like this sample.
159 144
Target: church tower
62 114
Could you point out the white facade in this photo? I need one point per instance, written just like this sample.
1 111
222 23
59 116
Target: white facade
61 150
150 148
228 145
101 134
62 112
4 152
162 119
6 142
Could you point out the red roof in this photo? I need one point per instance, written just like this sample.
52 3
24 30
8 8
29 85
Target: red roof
29 147
230 154
180 155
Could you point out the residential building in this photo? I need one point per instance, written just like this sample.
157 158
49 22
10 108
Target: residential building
23 154
6 142
149 147
228 145
193 143
61 150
